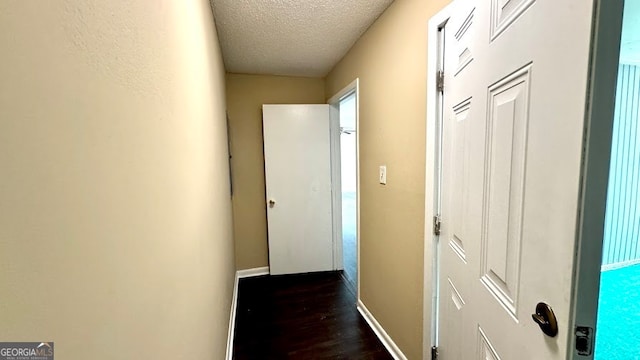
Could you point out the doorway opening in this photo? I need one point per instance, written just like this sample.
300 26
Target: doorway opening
348 187
345 175
618 323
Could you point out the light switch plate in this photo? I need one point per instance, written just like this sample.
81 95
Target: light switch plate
383 174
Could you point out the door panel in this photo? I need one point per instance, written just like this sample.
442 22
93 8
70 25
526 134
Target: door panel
461 153
298 181
504 187
514 99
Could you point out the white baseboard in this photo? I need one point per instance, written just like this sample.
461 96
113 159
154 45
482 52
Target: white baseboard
386 340
619 265
234 304
253 272
232 319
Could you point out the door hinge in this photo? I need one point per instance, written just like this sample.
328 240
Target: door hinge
584 340
440 81
436 225
434 353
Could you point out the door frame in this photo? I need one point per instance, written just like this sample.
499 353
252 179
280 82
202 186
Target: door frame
336 176
598 129
433 173
606 31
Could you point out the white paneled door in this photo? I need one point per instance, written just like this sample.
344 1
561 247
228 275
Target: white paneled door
298 188
514 106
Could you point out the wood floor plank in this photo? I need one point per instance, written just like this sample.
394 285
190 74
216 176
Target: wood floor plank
309 316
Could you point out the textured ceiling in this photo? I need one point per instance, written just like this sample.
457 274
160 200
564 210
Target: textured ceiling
291 37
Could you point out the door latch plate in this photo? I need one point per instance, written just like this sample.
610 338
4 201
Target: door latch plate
584 340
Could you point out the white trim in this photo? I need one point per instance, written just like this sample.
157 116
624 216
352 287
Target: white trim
336 185
240 274
603 66
253 272
431 267
619 265
334 102
232 319
386 340
345 91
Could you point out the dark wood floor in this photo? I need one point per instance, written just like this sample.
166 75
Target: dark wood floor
310 316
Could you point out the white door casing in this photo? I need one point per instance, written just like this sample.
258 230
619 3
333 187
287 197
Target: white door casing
298 181
334 104
514 108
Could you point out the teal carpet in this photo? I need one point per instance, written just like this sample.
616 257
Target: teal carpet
618 329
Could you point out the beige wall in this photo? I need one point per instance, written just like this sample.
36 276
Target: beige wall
245 96
115 225
390 59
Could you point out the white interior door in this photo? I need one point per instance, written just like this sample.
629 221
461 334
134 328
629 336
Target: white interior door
514 107
298 180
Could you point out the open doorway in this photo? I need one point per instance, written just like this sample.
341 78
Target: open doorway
349 187
344 123
618 324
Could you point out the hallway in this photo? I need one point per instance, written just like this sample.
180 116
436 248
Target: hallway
310 316
133 165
